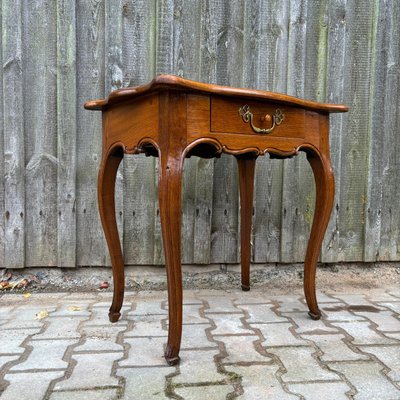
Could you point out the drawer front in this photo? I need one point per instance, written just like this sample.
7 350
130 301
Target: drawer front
256 118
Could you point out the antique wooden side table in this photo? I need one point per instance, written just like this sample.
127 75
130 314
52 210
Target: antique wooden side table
174 118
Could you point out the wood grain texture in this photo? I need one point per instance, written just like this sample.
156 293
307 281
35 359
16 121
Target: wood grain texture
14 154
2 244
66 134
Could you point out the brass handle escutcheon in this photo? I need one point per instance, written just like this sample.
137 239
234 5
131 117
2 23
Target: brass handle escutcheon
247 116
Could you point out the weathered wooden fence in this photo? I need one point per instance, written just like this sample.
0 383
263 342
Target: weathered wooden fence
58 54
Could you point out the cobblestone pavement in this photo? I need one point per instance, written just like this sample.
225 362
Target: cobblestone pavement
235 345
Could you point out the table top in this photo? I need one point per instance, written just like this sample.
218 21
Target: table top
162 82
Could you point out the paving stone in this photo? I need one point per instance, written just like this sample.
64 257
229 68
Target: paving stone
301 365
259 382
61 327
339 312
5 312
194 336
99 316
278 335
227 324
54 351
147 307
388 355
14 338
262 313
191 314
307 325
204 392
32 386
334 348
393 335
394 293
5 359
145 325
241 349
197 366
318 391
394 306
252 297
91 371
325 298
145 383
362 333
65 309
353 299
384 319
220 304
289 304
100 338
25 316
377 295
102 394
145 351
368 380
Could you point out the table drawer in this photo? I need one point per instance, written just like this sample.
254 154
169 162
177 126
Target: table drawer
256 118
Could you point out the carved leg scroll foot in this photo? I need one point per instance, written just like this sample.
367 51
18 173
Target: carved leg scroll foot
246 185
169 192
106 191
325 191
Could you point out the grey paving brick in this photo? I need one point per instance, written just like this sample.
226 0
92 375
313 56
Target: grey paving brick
362 333
319 391
262 313
191 314
61 327
393 335
252 297
368 380
145 383
145 351
25 316
394 306
334 348
260 382
197 366
384 320
5 359
378 295
219 304
325 298
5 312
195 336
148 307
242 349
215 392
100 338
145 325
307 325
289 304
13 338
300 365
394 292
227 324
52 349
91 371
32 386
388 355
353 299
98 394
99 316
339 312
72 309
278 335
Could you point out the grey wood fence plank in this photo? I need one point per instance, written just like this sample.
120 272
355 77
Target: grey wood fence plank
224 236
390 220
91 246
271 75
140 191
355 145
2 248
336 42
66 133
293 214
40 118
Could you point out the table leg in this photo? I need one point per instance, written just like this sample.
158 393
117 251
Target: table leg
170 202
325 192
106 199
246 188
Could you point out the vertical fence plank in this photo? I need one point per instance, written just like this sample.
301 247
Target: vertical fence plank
271 75
66 133
137 67
293 216
2 216
355 145
337 20
390 221
224 245
91 246
14 162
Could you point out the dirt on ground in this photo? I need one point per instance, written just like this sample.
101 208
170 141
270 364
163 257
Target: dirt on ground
274 278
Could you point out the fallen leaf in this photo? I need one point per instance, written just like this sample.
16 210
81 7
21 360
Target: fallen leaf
74 308
104 285
42 314
27 295
22 283
4 285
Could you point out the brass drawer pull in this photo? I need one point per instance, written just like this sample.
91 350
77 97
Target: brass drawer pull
247 116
